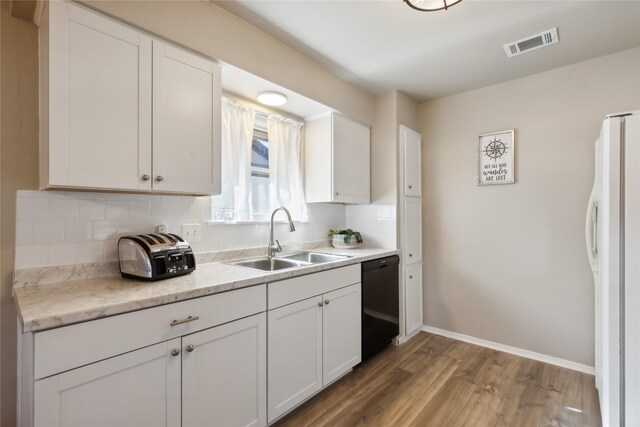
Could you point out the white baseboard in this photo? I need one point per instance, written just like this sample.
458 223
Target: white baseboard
513 350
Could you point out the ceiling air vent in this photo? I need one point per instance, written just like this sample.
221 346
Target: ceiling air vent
531 43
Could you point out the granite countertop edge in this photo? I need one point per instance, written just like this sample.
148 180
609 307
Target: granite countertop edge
50 306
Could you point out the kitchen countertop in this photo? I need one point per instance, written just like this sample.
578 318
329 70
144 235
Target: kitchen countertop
49 306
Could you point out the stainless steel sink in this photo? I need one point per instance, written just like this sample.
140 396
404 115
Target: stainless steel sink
314 257
274 264
297 260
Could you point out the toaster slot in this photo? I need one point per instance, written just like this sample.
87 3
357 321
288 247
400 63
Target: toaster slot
160 263
191 260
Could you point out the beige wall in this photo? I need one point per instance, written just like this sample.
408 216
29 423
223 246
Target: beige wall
209 29
508 263
19 160
392 109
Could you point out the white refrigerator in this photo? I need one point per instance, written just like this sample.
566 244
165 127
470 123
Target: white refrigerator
613 240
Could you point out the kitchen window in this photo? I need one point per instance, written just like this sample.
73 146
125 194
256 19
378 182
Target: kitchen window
260 174
261 166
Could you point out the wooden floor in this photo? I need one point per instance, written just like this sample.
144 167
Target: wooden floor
437 381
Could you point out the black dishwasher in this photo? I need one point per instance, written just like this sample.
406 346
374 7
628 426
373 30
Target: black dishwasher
380 304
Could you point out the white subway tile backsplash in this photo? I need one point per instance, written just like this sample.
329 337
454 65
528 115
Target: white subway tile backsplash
133 227
57 228
78 231
139 210
63 208
90 252
28 256
110 250
32 209
63 253
106 196
48 232
161 211
116 210
24 232
104 230
179 211
92 209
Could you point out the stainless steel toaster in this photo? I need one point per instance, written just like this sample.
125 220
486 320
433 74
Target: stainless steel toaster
155 256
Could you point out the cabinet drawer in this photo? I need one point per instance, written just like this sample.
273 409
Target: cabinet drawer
299 288
68 347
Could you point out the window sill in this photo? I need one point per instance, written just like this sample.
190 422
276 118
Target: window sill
255 222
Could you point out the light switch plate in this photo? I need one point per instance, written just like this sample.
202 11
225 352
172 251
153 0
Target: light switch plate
191 232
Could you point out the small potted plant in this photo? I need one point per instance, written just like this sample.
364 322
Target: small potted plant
345 239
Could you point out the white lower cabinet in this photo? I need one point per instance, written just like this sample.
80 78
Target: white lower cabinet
312 343
341 330
215 377
222 360
224 375
413 298
294 355
140 388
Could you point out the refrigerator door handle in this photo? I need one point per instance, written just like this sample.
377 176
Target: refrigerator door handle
591 232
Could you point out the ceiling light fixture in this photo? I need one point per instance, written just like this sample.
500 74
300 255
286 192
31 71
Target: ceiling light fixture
272 98
431 5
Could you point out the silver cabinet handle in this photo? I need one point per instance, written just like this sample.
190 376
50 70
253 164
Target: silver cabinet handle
327 301
190 348
410 187
320 304
187 320
336 193
410 255
410 277
146 177
159 178
175 352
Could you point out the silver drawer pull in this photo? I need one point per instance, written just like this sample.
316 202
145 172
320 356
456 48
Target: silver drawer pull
187 320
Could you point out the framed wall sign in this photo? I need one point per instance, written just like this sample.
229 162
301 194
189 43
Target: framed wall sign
496 152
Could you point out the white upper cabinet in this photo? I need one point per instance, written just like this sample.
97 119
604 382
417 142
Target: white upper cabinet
96 101
411 141
337 160
186 121
111 96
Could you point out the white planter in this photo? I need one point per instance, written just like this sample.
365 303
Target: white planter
337 241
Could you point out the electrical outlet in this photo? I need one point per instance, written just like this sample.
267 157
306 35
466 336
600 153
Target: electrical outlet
160 228
191 232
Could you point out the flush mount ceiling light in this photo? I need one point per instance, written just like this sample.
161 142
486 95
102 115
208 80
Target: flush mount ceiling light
272 98
431 5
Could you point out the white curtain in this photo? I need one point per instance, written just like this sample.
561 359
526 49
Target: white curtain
234 202
285 172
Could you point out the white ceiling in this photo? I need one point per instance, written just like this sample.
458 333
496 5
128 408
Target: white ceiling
384 45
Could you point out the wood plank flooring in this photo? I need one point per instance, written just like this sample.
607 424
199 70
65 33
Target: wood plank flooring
437 381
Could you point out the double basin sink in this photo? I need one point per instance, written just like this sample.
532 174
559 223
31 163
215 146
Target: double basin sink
296 260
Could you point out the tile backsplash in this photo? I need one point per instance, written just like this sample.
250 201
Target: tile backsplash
61 228
377 223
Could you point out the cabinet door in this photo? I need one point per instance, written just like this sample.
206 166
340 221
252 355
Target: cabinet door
186 121
224 375
413 298
294 354
140 388
351 145
411 152
412 230
341 332
98 115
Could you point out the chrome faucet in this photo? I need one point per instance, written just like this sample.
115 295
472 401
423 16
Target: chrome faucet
275 246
